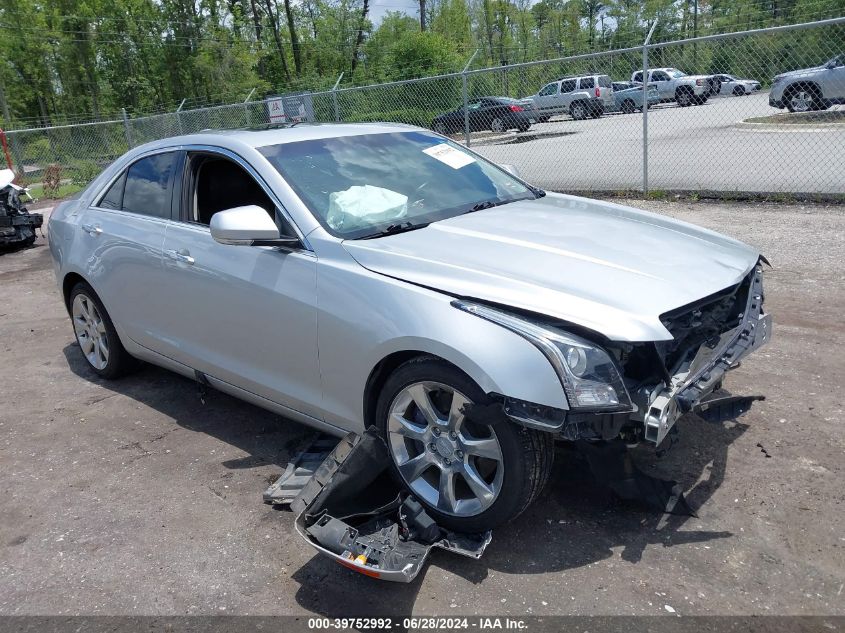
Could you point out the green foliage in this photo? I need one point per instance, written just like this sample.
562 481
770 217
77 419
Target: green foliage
69 59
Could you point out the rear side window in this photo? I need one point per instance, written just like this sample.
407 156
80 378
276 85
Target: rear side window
114 196
567 86
604 81
587 82
638 77
147 188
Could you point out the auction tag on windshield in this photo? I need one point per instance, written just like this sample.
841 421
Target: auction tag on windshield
447 154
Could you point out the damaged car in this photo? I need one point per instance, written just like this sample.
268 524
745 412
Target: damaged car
350 276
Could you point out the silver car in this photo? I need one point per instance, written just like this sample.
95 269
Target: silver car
349 276
809 89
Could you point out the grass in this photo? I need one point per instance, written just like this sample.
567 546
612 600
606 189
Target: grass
37 191
801 118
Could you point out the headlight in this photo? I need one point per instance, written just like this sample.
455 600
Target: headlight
588 374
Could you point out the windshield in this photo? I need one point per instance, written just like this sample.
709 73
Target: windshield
674 72
359 186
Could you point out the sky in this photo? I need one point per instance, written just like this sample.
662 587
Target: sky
379 7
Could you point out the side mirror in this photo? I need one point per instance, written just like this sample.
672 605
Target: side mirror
247 226
512 170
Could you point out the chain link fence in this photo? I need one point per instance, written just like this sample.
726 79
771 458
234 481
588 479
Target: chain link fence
712 118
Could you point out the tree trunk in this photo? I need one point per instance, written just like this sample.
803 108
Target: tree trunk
279 46
360 37
294 39
422 15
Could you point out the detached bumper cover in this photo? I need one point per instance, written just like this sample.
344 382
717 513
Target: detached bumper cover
710 364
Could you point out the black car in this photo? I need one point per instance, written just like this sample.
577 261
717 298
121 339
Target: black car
497 114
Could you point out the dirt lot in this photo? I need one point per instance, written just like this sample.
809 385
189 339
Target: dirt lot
133 497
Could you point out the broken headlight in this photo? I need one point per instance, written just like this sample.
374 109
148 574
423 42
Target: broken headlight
587 372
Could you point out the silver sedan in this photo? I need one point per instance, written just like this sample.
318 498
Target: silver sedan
349 276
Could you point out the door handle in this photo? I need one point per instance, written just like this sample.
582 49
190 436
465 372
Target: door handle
180 256
92 229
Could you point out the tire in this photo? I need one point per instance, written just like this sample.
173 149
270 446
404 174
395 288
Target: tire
684 97
578 111
497 125
524 128
512 478
739 91
803 98
628 106
96 336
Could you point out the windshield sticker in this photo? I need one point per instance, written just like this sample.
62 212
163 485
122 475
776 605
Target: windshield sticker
448 155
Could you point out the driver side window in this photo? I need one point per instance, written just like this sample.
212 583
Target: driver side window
217 184
659 75
548 90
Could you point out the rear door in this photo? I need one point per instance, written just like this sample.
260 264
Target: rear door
244 315
605 87
123 231
567 94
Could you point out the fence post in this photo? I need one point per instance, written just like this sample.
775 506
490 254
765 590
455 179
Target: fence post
466 102
247 116
126 128
179 117
645 107
334 99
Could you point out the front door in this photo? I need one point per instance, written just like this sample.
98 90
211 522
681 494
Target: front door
242 314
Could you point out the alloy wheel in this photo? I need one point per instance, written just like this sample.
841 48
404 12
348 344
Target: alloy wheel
90 331
497 125
802 101
451 463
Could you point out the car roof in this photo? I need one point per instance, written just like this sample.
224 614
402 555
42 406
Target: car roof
275 135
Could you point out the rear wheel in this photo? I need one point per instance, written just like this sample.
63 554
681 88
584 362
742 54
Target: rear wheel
578 110
684 97
739 91
497 125
628 106
96 335
471 475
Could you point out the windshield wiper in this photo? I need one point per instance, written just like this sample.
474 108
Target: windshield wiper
393 229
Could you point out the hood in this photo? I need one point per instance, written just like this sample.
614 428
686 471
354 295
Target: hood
606 267
800 72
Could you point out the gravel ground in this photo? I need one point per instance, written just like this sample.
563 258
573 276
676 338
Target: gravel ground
133 497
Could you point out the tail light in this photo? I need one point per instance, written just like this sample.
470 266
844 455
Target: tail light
515 108
598 92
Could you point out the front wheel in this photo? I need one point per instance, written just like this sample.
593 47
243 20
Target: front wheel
628 106
578 111
96 335
684 97
471 474
497 125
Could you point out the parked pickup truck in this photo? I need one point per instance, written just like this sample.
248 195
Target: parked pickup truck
628 96
675 85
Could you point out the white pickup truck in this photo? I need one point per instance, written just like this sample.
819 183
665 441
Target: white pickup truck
675 85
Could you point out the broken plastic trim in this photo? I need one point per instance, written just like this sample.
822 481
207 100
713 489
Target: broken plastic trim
354 511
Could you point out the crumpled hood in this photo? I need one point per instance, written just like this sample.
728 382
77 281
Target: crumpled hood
606 267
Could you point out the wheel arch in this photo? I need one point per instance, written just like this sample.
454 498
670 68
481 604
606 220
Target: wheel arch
68 282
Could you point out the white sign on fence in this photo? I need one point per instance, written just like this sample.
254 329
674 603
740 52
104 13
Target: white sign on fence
277 110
